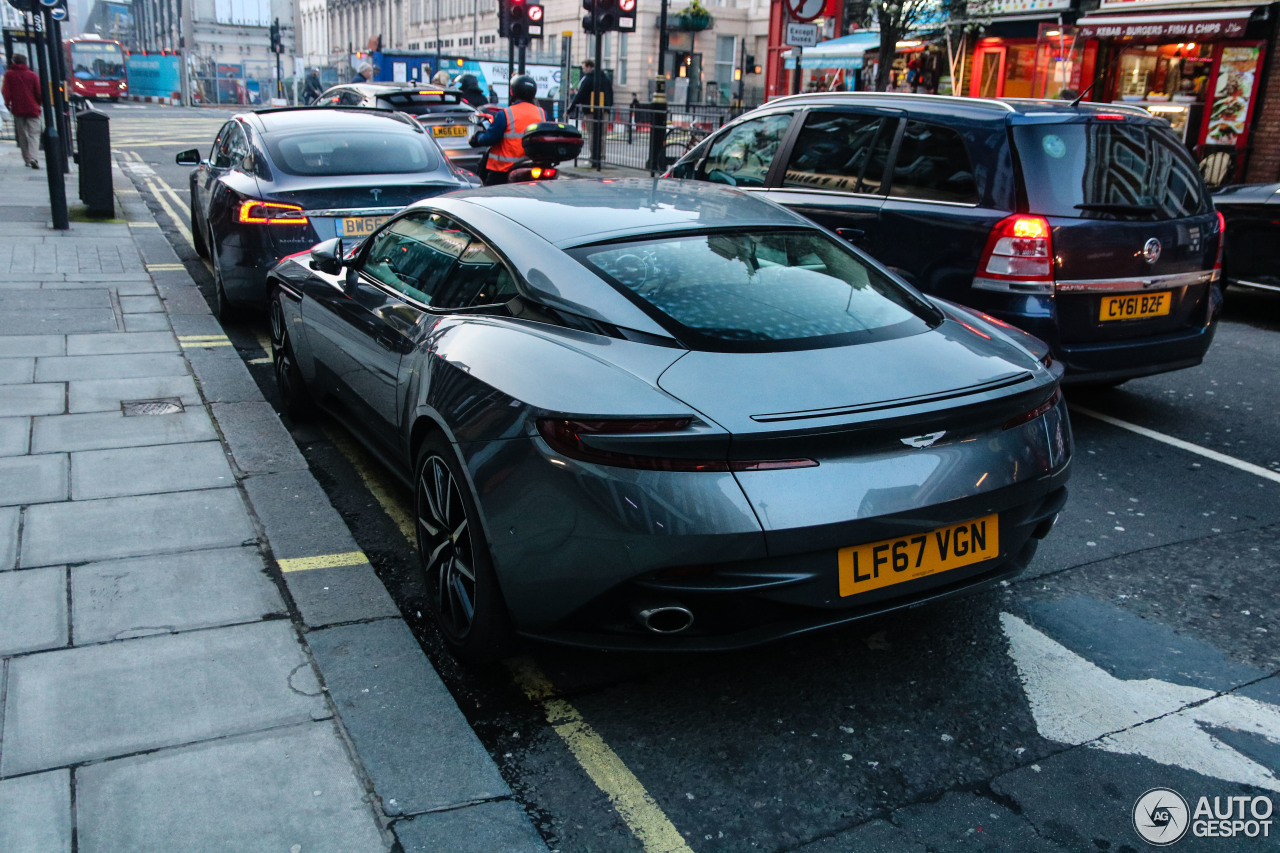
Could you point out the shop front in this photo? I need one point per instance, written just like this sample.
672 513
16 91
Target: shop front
1014 56
1199 65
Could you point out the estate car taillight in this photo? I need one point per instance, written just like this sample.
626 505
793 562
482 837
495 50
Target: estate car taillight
565 436
1222 245
1018 257
271 213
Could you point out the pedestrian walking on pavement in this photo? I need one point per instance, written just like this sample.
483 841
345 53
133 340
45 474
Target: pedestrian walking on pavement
21 92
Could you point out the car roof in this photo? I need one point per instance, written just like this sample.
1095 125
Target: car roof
329 118
573 212
993 109
382 88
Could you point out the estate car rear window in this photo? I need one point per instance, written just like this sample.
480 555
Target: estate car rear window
351 152
422 103
1108 168
758 291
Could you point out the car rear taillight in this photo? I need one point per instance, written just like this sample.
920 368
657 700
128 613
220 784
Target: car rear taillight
566 437
1042 409
534 173
1110 116
271 213
1222 245
1018 257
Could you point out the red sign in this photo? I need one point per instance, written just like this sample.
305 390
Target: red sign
806 10
1155 28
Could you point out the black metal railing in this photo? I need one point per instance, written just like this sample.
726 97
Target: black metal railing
626 131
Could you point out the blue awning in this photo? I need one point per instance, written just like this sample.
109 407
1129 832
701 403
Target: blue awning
843 52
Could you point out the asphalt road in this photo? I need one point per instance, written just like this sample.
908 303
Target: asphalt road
1137 652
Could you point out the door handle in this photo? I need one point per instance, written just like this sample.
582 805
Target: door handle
853 235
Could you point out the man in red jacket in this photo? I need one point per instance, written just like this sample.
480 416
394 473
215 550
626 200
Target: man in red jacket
21 91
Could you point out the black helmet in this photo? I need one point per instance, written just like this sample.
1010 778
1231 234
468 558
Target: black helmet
468 81
524 88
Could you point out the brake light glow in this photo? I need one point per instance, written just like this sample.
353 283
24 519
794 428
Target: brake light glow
1110 116
1038 411
1222 245
271 213
566 437
1018 257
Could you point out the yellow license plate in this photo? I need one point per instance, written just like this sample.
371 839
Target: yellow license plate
880 564
449 130
1135 306
359 226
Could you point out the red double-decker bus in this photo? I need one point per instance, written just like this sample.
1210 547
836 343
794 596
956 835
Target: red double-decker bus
96 68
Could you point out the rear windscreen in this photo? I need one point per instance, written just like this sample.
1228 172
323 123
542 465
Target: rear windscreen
352 152
758 291
1108 169
420 103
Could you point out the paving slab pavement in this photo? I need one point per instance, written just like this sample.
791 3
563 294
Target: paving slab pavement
164 571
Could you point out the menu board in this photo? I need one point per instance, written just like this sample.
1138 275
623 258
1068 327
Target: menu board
1234 90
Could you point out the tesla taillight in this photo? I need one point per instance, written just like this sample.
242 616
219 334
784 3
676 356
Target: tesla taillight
271 213
1018 257
1042 409
567 437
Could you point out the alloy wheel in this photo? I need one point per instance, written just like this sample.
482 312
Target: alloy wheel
444 539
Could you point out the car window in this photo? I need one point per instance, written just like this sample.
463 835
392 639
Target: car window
329 99
840 151
1102 169
219 141
231 147
479 278
933 165
758 291
395 149
415 253
350 98
742 155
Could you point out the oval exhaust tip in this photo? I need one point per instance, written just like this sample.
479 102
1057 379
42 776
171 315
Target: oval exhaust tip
666 618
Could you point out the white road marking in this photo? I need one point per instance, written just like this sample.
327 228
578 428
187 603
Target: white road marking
1239 464
1077 702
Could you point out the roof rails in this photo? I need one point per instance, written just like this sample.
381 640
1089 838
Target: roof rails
987 103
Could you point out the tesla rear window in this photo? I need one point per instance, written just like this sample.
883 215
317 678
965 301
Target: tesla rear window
352 152
758 291
1105 169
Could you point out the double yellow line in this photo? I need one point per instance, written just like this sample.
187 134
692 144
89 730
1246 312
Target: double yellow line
628 796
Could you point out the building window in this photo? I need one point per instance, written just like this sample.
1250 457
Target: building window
622 58
722 76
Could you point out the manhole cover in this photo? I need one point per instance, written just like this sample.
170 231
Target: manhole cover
162 406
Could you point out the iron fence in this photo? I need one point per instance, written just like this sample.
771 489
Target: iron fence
627 132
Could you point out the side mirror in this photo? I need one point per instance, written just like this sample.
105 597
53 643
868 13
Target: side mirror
190 157
326 257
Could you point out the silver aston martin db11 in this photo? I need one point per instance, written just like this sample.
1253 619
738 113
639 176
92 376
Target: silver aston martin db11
654 414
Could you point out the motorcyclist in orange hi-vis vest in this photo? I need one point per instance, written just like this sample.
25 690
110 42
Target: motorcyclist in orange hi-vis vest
503 134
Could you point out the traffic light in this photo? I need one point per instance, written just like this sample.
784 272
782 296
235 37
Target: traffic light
601 17
518 21
276 45
504 19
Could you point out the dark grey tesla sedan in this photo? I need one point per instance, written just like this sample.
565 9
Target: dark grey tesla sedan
657 414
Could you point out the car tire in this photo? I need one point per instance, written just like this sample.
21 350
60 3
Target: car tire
296 400
462 590
197 236
223 308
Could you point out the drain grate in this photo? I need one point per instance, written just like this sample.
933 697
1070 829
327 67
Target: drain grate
162 406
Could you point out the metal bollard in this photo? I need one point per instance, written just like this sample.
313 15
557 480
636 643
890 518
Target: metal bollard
93 133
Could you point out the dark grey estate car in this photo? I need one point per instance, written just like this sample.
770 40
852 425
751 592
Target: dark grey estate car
664 414
1089 226
441 111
